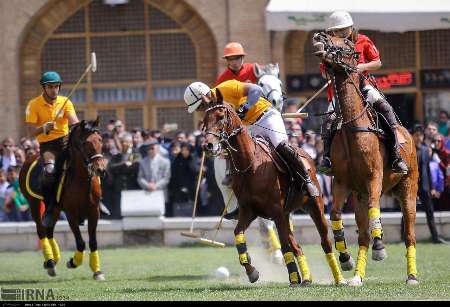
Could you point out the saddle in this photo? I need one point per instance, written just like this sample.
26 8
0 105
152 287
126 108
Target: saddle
33 180
279 162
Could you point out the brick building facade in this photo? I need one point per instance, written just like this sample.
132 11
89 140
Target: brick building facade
148 50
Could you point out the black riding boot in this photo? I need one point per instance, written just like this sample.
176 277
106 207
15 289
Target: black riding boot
48 191
227 180
398 165
327 137
293 159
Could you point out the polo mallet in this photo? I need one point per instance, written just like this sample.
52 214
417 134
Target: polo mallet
298 114
191 234
92 67
213 242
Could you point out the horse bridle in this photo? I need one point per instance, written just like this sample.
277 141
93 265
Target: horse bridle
88 161
224 137
337 53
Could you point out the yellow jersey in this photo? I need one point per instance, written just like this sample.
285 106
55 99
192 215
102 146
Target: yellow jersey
233 92
39 112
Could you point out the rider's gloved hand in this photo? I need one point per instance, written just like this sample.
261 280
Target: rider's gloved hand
47 127
242 111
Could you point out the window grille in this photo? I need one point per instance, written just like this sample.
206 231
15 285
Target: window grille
118 18
435 49
105 117
74 24
134 118
175 115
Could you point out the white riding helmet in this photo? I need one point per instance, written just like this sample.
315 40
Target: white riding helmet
339 20
193 95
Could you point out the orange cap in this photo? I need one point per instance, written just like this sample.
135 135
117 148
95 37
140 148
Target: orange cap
232 49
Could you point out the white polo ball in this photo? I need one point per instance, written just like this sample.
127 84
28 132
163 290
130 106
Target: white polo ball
222 273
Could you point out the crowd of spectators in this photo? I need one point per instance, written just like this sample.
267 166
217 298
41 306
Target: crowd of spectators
170 161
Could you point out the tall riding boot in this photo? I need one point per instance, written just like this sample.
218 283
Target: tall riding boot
227 180
398 165
293 159
48 190
325 164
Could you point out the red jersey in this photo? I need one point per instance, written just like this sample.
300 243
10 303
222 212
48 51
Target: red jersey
246 74
367 53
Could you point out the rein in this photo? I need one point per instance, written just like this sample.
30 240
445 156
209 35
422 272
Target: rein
224 137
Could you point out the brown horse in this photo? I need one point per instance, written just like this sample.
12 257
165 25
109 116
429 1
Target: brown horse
360 164
79 195
261 188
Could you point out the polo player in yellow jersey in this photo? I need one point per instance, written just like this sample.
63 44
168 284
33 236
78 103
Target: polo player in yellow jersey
51 133
256 112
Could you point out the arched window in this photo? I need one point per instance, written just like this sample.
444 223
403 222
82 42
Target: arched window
145 59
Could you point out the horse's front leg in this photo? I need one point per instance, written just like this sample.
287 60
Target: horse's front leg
246 216
340 194
375 227
282 222
94 259
77 259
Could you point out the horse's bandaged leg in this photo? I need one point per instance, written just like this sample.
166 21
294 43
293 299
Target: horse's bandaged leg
94 261
339 238
361 262
304 268
55 249
289 260
376 231
47 249
332 262
274 242
241 247
78 258
411 260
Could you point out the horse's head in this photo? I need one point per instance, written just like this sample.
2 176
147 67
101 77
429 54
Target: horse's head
85 140
220 123
335 52
268 78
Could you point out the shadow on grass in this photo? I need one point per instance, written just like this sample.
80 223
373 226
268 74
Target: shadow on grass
165 278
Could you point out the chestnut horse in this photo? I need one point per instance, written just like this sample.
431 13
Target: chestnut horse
261 187
79 196
360 164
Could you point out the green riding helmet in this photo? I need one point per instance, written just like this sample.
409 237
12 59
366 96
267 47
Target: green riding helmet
50 77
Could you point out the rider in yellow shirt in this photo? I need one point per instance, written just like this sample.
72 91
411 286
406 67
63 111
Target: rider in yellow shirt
51 128
256 112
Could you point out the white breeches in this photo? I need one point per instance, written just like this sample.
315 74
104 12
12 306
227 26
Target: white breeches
271 126
372 94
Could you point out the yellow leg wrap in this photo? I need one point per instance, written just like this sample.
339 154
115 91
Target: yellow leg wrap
337 225
243 258
240 238
78 258
273 239
332 262
288 257
304 268
411 260
376 230
55 249
341 247
361 262
46 249
293 277
94 261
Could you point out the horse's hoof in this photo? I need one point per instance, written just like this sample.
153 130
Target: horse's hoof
277 257
50 266
412 280
348 264
306 282
293 284
70 264
379 255
341 282
356 281
253 276
99 276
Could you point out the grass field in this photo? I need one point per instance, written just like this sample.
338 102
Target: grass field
153 273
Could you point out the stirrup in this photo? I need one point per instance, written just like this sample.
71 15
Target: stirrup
399 166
